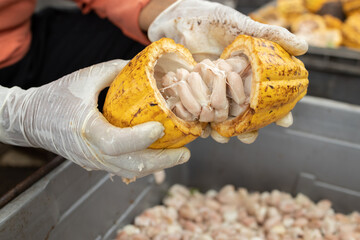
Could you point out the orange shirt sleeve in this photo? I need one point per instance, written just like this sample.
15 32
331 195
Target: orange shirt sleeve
123 13
15 34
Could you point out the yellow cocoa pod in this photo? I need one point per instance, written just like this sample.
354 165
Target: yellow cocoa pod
332 22
314 5
269 15
134 98
279 81
291 9
351 31
325 7
308 23
351 6
320 31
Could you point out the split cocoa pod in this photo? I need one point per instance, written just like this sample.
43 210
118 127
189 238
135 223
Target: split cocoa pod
279 81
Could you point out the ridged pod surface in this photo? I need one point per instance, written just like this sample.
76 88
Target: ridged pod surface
134 98
279 81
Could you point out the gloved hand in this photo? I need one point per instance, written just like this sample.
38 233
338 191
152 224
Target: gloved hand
62 117
206 28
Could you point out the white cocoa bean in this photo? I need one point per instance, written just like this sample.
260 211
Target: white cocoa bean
236 88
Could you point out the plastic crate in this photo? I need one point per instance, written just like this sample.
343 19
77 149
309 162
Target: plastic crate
318 156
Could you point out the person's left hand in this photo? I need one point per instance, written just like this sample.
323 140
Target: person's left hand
62 117
206 28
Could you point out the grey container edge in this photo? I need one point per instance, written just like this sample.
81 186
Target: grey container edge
316 157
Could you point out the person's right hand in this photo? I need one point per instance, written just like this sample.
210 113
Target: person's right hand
62 117
206 28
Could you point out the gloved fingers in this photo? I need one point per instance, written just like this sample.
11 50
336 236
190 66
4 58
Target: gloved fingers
206 132
113 141
290 42
286 121
205 28
218 138
236 23
95 78
159 176
145 162
248 137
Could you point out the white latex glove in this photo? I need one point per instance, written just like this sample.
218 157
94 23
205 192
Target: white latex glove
206 28
62 117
